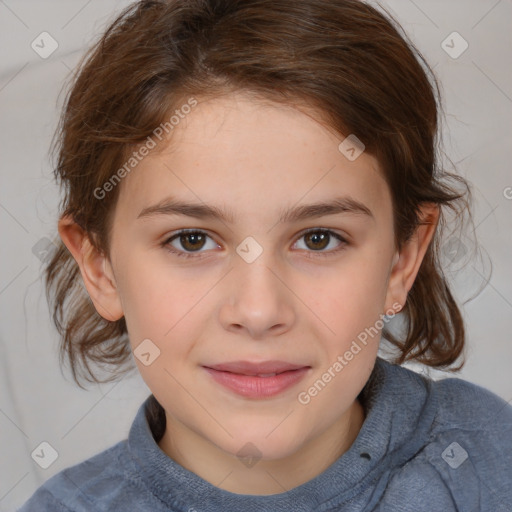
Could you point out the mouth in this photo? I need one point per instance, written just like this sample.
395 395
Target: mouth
257 380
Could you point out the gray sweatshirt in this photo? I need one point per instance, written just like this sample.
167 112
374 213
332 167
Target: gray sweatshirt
432 446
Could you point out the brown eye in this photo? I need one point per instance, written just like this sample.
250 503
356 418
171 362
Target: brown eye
317 240
192 241
188 244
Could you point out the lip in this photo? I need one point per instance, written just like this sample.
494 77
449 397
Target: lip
255 380
252 368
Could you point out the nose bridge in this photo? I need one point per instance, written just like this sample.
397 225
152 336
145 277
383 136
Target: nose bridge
258 299
255 269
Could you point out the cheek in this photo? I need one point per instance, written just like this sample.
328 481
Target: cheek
151 298
145 298
357 293
166 305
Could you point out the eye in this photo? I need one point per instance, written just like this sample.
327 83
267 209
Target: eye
192 241
318 239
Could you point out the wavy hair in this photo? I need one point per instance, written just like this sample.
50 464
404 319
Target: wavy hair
349 61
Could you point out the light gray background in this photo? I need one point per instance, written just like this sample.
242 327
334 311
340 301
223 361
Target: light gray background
36 402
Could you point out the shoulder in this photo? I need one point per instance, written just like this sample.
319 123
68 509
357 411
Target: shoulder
474 424
87 486
44 501
467 457
473 412
457 404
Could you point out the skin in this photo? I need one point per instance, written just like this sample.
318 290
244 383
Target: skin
290 304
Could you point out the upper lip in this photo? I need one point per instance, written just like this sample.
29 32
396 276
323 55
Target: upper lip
250 368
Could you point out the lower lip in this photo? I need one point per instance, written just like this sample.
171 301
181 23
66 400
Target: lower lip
251 386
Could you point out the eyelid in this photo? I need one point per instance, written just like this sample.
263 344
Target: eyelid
341 238
344 241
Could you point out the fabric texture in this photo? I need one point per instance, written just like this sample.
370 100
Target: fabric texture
432 446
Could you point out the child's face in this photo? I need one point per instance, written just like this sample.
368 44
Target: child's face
291 303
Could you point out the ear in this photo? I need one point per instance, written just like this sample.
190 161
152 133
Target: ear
407 262
95 268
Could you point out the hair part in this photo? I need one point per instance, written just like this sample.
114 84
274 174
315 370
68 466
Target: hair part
342 58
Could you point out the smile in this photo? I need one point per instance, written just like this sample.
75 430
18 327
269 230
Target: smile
257 380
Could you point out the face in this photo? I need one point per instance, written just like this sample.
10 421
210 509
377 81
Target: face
259 284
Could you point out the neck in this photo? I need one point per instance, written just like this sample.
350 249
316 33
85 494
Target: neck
264 476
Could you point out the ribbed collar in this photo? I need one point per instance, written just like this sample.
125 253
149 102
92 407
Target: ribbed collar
400 407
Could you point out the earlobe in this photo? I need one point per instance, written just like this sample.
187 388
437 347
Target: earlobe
407 262
95 268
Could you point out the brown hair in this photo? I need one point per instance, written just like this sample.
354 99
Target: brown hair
343 58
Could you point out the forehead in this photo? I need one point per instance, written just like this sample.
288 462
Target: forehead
253 158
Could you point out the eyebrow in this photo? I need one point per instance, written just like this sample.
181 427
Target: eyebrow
340 205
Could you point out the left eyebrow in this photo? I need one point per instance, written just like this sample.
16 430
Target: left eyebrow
340 205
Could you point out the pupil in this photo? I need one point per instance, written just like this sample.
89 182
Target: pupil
319 238
195 237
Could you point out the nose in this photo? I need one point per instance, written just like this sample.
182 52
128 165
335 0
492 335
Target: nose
259 302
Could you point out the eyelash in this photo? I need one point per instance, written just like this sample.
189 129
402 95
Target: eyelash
182 254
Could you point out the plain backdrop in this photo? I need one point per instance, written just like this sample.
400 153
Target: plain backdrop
39 403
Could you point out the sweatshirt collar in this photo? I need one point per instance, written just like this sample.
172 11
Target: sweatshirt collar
399 406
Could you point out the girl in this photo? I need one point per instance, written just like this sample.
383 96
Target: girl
252 201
